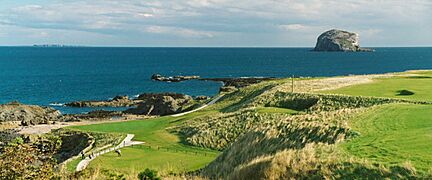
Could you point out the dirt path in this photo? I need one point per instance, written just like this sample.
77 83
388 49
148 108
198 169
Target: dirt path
126 142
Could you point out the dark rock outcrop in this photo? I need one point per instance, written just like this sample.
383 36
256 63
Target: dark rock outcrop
227 89
158 77
118 101
229 84
339 40
96 115
239 82
161 104
202 98
28 114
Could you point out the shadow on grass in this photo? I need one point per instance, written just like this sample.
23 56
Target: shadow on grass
418 77
404 92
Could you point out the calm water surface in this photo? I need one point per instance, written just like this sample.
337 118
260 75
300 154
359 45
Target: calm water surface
43 76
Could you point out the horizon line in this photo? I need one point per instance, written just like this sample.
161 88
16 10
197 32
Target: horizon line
119 46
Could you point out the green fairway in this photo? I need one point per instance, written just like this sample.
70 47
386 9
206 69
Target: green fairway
394 134
154 133
138 158
420 85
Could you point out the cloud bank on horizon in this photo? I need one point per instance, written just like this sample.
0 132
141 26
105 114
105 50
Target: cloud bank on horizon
212 22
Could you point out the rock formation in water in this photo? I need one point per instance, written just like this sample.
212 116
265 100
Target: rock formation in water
339 40
28 114
161 104
158 77
118 101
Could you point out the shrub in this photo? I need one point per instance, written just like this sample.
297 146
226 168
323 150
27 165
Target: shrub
148 174
26 161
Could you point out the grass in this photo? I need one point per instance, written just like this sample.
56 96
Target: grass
138 158
71 166
154 133
394 134
419 85
275 110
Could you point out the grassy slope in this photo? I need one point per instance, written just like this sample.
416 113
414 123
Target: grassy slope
180 157
394 134
389 87
275 110
389 134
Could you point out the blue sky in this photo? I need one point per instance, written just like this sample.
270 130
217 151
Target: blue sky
282 23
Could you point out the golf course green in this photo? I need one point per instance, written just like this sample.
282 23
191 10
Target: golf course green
394 134
161 150
420 86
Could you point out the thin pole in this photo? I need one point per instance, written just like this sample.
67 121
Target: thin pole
292 84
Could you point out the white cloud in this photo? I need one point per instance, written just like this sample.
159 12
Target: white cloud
183 32
292 26
222 19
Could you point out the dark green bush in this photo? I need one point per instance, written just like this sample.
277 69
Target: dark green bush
148 174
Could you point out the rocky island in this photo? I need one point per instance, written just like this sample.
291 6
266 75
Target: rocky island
339 40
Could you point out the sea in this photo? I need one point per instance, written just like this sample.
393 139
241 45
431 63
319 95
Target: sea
52 76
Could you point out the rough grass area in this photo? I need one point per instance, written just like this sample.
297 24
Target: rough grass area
394 134
420 85
275 110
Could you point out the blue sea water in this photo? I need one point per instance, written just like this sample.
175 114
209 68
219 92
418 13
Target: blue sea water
42 76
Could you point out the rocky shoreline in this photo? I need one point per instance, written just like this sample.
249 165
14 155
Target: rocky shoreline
28 114
229 84
145 105
118 101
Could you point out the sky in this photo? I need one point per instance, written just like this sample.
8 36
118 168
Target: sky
213 23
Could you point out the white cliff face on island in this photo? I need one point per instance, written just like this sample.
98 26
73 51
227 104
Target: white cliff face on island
339 40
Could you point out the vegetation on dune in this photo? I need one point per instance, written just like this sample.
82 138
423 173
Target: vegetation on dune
290 133
317 161
324 102
267 133
219 131
29 160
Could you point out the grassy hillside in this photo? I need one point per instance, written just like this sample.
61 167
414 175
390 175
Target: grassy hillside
266 131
